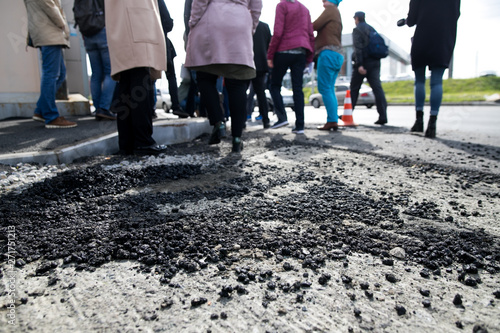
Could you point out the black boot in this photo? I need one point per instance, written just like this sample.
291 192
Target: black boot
431 127
419 123
218 133
237 145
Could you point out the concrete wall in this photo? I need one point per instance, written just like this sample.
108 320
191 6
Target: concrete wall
20 69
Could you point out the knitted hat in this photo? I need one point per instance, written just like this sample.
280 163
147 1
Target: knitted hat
335 2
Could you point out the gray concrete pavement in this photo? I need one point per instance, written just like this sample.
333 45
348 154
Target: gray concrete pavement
25 140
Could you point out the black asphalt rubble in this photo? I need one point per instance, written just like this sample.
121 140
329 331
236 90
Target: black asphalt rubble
312 207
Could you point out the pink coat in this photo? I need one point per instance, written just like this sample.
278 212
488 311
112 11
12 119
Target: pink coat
292 29
222 32
135 36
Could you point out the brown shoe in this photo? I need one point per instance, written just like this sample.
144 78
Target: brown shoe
329 126
60 122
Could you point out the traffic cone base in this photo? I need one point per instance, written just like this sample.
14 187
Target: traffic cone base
347 119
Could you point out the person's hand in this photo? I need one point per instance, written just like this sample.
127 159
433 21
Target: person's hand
362 70
270 63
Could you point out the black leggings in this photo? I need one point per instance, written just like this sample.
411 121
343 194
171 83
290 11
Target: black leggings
237 92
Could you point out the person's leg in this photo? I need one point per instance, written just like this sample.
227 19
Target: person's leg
435 99
52 57
419 91
190 99
141 101
236 93
419 88
62 72
208 90
329 64
172 85
108 84
436 89
356 82
121 105
93 50
250 101
373 77
297 73
277 74
259 86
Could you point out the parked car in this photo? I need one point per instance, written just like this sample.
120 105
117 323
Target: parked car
163 100
287 99
366 96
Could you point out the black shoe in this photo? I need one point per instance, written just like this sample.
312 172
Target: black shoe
237 145
419 123
418 126
431 127
218 133
179 112
104 114
150 150
380 122
267 125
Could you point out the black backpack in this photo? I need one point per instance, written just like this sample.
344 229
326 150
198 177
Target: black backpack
89 17
376 46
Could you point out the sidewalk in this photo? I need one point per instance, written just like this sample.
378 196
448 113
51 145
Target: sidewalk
28 141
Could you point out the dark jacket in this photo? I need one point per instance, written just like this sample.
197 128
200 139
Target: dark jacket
436 31
360 40
167 24
261 40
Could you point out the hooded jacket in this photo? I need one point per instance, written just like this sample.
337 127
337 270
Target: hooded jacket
135 36
47 23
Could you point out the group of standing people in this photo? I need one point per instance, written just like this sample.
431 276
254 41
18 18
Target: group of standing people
133 50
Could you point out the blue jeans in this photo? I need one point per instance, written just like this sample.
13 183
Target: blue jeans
102 85
53 76
329 65
436 89
297 64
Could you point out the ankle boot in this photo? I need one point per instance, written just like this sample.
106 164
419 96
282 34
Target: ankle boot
419 123
218 132
237 145
431 127
329 126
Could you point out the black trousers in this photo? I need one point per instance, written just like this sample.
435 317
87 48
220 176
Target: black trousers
372 67
172 84
133 100
237 92
259 86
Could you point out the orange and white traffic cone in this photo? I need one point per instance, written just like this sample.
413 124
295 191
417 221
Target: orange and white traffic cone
347 119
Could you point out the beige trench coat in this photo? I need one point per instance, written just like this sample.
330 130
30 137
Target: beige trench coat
135 36
47 23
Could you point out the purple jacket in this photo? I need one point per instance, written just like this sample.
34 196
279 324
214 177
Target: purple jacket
292 29
222 32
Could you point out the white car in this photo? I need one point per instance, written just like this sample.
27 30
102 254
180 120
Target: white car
163 100
365 97
287 95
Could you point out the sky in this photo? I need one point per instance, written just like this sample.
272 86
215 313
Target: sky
477 48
